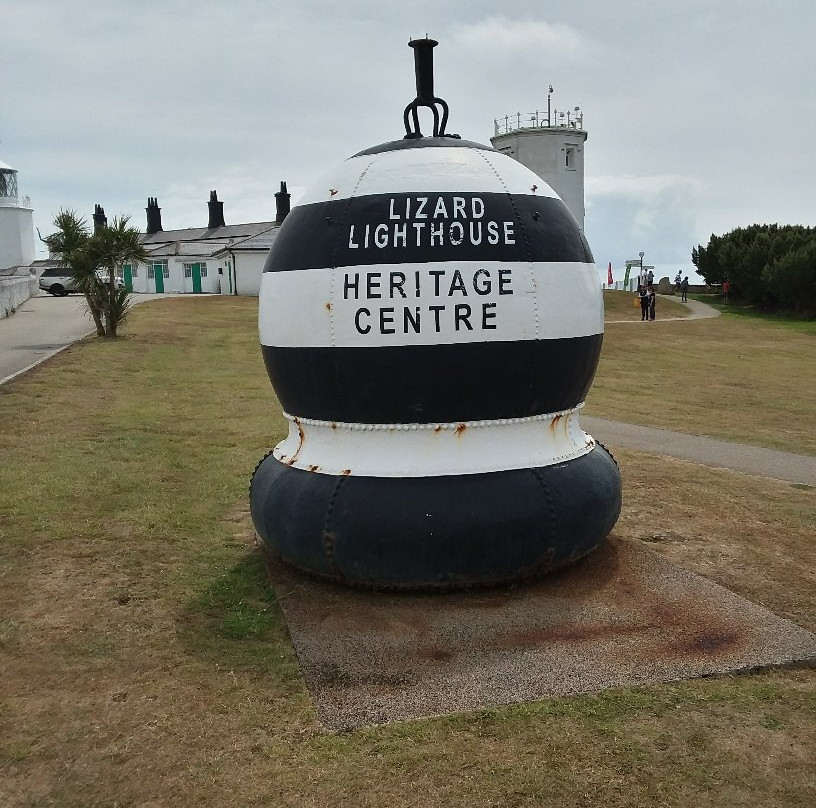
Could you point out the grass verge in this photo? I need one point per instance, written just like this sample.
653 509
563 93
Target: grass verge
619 305
144 661
736 378
787 319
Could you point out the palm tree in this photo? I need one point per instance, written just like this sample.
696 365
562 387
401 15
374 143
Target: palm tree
109 249
70 243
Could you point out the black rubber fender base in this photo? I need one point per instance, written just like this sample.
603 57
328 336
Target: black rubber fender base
441 533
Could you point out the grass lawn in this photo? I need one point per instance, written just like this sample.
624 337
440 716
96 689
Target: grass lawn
739 309
619 305
144 661
734 377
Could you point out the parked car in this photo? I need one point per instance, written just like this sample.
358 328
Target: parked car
58 281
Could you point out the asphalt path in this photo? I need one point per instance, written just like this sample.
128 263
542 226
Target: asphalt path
45 325
794 468
42 326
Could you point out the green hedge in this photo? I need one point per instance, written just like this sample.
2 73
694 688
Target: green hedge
769 265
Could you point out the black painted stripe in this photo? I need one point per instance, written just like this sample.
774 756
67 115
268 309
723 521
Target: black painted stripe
423 143
413 384
436 531
319 235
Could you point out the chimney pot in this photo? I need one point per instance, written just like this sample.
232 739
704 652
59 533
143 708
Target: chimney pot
154 224
216 209
282 204
99 218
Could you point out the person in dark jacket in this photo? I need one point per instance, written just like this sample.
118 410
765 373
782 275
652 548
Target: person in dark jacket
684 284
652 299
644 303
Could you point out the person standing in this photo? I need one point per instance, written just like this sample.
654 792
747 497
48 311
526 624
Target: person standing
684 289
652 299
678 279
644 303
726 288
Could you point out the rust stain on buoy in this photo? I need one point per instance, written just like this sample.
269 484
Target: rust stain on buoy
301 441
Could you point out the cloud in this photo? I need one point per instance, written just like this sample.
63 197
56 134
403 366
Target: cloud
658 214
501 36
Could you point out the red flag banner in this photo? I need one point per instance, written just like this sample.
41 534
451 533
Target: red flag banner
609 280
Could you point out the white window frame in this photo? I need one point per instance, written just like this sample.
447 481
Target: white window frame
188 269
153 265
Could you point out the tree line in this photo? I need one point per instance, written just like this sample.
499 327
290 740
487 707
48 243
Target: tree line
768 265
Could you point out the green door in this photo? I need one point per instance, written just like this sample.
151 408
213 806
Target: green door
127 271
158 274
196 279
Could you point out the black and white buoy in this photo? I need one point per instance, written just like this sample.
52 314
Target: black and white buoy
431 320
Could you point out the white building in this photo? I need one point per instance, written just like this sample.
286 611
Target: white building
16 222
551 144
244 262
216 259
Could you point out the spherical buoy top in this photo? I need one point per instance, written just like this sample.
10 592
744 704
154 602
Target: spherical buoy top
431 320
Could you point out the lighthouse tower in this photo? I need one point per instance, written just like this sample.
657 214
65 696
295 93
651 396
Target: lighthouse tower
551 144
16 222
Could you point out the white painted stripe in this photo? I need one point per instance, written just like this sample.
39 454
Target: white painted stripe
426 171
340 308
433 450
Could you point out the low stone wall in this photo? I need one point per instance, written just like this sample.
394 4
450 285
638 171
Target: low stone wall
14 291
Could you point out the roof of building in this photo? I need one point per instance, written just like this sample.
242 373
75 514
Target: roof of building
186 247
229 231
261 242
205 242
42 263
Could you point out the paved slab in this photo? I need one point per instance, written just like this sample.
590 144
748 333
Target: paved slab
622 617
41 327
756 460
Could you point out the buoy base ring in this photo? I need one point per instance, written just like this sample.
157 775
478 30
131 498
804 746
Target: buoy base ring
440 533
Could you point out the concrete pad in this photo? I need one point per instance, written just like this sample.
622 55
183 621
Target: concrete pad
622 617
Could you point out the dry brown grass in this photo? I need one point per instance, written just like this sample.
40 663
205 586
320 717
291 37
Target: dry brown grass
619 306
730 377
144 662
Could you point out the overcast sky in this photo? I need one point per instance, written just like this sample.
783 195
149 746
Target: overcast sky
701 114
